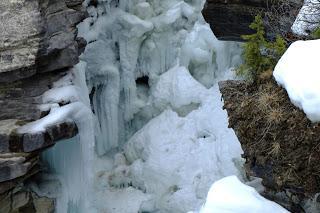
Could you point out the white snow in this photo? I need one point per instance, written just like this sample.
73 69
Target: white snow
177 88
66 92
308 18
184 154
298 72
57 115
229 195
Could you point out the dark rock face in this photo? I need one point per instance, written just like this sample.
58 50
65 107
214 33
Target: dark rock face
280 144
229 19
38 45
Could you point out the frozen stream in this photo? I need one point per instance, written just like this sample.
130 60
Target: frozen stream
158 137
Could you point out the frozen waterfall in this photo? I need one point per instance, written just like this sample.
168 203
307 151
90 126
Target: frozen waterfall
158 137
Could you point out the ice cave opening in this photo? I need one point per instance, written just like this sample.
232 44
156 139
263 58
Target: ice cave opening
153 136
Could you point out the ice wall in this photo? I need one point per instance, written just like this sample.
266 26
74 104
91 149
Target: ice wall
159 132
128 40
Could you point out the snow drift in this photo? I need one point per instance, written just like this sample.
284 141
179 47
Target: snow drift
298 72
229 195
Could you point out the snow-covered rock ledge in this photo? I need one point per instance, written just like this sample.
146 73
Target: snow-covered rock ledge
33 118
25 102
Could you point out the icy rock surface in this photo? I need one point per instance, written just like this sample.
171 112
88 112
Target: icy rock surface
229 195
71 160
298 72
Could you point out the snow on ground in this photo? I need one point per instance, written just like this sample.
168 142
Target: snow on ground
229 195
308 18
298 72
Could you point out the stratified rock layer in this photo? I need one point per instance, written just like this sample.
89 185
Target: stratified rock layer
38 36
21 200
38 45
280 144
19 105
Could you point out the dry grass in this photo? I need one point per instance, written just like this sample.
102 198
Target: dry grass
275 149
275 116
266 75
266 100
277 136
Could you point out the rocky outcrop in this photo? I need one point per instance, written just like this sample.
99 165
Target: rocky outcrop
38 36
20 102
21 200
229 19
38 45
280 144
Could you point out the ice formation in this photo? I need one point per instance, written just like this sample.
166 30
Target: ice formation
308 18
136 40
184 154
159 137
298 72
229 195
70 160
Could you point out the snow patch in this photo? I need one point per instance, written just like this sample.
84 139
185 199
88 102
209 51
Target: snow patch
298 72
229 195
65 93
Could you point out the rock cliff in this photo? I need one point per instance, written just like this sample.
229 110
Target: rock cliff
38 36
38 44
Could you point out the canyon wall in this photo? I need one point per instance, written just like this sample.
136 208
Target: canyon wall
38 45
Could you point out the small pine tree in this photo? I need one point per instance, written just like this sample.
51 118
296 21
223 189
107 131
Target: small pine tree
278 48
259 55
